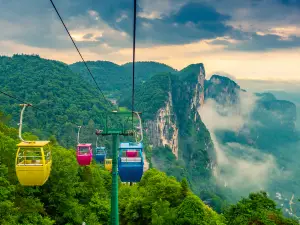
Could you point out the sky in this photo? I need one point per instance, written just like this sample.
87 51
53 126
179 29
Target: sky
248 39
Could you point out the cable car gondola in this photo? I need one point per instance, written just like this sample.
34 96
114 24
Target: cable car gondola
33 159
100 153
84 153
130 162
108 164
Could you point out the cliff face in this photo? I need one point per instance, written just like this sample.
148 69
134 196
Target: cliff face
198 96
163 130
181 144
185 97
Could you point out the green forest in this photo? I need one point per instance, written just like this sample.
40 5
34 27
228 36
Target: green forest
75 194
172 191
115 79
66 99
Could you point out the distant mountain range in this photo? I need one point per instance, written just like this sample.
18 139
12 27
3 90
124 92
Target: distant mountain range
115 79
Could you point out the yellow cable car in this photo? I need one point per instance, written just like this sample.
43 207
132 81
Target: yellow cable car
33 163
33 159
108 164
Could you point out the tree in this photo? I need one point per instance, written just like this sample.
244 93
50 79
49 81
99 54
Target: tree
256 209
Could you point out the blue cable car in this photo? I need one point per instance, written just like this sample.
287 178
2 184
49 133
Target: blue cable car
130 162
100 154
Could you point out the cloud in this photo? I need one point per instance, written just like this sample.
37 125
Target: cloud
159 9
181 22
252 20
150 15
66 55
290 3
242 168
159 23
284 32
221 73
199 13
185 23
225 35
88 36
191 23
261 42
37 24
251 173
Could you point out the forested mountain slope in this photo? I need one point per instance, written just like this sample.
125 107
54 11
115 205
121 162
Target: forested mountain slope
65 98
74 194
116 80
180 143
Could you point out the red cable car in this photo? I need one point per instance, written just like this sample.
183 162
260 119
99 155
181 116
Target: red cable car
84 152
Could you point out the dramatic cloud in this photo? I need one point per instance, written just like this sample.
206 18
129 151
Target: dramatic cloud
292 3
240 167
265 42
229 32
168 22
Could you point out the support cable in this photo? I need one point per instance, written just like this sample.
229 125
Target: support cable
133 58
21 101
80 53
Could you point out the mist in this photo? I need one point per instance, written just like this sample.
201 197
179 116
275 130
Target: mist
239 167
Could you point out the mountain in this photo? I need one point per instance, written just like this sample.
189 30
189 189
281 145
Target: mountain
226 141
292 96
222 89
255 138
110 76
115 79
65 98
179 143
269 123
145 70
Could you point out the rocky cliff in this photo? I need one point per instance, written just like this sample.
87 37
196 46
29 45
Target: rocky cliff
179 141
163 130
212 147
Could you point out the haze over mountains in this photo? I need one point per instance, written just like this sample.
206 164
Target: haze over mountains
225 140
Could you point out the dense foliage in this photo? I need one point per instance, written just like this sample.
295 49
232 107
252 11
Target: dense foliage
256 209
66 100
151 95
116 80
75 194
